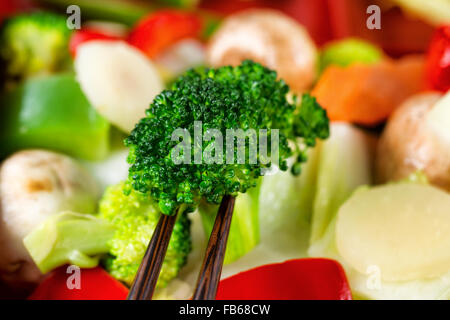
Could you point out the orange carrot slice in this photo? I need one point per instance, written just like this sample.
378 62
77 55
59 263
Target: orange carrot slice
367 94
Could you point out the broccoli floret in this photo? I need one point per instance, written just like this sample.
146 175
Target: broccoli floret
248 96
135 218
34 43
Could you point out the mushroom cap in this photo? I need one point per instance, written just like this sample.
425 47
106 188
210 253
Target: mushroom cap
35 184
270 38
408 144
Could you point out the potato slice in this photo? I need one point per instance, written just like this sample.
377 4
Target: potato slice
403 229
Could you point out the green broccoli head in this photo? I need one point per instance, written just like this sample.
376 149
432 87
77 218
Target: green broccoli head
34 43
245 97
135 218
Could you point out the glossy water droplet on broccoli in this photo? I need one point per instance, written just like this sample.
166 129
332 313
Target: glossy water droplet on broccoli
248 96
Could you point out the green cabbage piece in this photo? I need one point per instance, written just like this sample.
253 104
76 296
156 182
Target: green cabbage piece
69 238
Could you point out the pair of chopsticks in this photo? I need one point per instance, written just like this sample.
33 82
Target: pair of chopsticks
209 276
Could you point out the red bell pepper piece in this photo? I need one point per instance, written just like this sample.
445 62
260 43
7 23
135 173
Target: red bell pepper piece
300 279
11 7
95 284
85 35
161 29
438 60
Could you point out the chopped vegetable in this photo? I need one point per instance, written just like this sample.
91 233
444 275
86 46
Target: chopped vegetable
69 238
126 12
34 186
158 31
415 177
270 38
34 43
417 137
301 279
400 34
367 94
52 112
415 244
87 34
179 3
435 12
135 217
119 235
113 169
244 230
285 207
183 55
406 258
95 284
9 7
438 118
118 80
438 61
348 51
344 164
243 97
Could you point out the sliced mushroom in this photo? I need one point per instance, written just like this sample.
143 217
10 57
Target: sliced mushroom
34 185
270 38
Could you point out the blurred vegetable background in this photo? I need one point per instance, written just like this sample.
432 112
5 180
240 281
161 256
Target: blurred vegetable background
324 19
80 93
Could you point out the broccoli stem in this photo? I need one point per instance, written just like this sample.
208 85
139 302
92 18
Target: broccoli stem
69 238
244 231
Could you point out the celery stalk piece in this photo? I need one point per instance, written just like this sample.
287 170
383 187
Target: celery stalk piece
52 113
244 230
286 206
69 238
344 165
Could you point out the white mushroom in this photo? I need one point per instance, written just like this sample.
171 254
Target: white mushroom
34 185
416 138
270 38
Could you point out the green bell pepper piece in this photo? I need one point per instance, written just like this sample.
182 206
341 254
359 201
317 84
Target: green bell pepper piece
52 113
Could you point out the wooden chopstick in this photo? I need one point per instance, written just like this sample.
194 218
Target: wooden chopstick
209 276
147 276
145 282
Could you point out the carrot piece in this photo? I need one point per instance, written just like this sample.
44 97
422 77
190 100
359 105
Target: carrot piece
367 94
